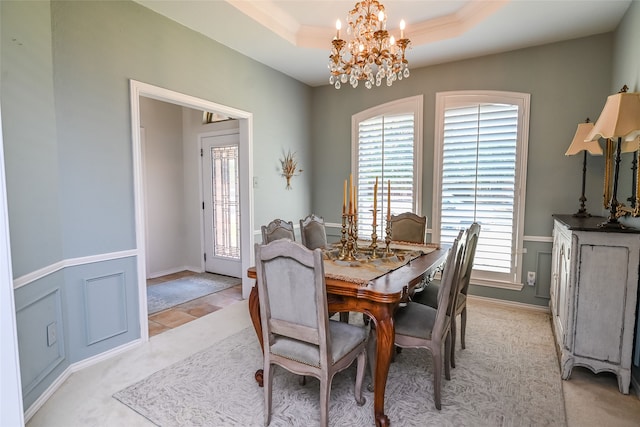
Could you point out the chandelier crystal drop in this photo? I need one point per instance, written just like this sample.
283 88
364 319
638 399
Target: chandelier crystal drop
370 53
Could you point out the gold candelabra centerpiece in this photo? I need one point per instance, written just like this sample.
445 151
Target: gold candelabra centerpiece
370 53
349 241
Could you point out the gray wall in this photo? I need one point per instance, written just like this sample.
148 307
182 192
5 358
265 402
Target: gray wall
30 136
566 86
66 68
164 199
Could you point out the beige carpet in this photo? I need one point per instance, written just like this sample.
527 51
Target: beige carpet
507 376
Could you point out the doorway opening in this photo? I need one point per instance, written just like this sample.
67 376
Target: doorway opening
245 171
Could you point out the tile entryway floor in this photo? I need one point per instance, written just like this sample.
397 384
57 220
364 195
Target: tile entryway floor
190 310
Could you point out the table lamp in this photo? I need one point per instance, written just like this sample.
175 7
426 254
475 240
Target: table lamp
620 119
634 200
592 147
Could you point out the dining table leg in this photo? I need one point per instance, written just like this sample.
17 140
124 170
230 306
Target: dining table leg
385 337
254 313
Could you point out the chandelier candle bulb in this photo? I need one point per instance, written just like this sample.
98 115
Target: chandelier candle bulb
338 26
402 26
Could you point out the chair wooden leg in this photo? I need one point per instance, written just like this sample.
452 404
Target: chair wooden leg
344 317
453 341
371 356
463 326
325 390
447 352
437 378
362 365
267 383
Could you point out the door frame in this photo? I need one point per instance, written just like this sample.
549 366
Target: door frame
245 119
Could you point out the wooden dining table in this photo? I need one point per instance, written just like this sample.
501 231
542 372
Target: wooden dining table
378 299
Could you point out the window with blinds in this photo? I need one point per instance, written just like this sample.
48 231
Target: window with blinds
480 147
386 147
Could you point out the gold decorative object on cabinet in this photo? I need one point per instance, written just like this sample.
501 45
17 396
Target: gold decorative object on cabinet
619 120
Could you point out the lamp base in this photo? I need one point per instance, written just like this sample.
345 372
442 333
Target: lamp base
582 213
612 224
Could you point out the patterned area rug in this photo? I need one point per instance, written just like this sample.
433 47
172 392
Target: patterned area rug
168 294
507 376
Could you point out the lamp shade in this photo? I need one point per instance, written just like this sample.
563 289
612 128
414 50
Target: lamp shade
620 118
630 146
580 143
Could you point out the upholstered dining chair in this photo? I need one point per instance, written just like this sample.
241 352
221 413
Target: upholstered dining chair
312 232
421 326
408 227
277 229
296 330
430 295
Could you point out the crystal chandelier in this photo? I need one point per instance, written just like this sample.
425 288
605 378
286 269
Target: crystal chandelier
370 54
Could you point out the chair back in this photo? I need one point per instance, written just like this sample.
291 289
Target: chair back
292 294
277 229
448 291
473 234
312 232
408 227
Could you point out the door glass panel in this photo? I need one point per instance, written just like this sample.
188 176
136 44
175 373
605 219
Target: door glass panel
226 204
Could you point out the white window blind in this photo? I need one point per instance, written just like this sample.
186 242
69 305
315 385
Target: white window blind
386 149
478 179
481 147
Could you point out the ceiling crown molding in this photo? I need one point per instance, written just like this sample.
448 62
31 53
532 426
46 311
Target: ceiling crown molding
271 16
277 20
454 24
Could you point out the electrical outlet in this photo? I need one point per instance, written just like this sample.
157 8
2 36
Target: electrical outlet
531 278
52 334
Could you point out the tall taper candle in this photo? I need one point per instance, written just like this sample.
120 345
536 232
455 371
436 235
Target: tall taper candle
389 200
375 202
344 198
355 201
350 194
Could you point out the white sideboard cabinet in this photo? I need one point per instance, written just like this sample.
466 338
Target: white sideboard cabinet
594 287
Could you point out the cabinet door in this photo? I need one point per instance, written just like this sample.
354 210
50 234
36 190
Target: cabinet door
600 301
564 270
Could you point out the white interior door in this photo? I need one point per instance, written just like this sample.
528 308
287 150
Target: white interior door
221 207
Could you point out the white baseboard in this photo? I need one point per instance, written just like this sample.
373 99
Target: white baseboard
42 399
75 367
510 304
173 271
